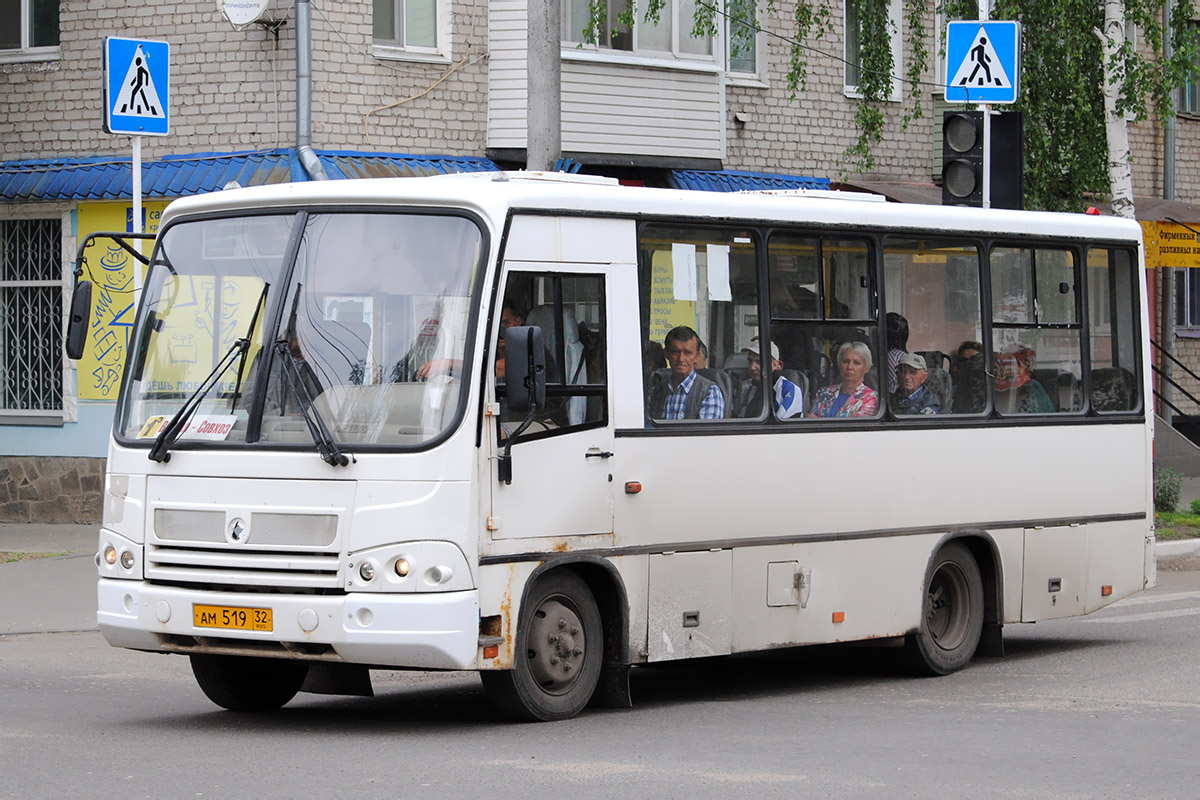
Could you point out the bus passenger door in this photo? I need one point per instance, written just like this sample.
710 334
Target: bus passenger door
561 465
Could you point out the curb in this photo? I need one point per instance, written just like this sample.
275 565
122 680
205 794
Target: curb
1176 547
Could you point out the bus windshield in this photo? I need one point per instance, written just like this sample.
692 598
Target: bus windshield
371 309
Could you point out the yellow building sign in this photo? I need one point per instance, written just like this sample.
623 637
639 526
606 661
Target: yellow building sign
110 269
1170 244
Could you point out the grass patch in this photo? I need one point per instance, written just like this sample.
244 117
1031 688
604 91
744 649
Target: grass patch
1177 525
13 556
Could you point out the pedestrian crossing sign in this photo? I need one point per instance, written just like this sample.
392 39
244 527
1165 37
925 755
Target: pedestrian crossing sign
983 62
137 87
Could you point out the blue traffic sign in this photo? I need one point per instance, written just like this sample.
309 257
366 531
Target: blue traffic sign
983 62
137 87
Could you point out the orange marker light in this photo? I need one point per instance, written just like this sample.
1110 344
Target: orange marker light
839 616
633 487
1105 591
491 651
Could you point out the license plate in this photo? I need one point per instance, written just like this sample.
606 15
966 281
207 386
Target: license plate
233 618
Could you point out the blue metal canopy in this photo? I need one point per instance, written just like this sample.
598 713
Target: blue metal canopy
111 178
729 180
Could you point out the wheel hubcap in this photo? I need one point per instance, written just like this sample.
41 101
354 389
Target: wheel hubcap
946 608
556 646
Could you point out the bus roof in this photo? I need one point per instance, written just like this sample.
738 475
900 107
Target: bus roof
495 194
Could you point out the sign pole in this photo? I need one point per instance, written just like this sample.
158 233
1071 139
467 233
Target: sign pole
987 133
137 209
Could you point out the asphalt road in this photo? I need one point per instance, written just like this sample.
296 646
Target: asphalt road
1102 706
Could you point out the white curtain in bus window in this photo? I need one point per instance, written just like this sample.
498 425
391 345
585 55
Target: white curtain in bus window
1112 309
699 282
1035 331
934 313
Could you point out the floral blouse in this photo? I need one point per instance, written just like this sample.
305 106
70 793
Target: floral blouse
863 403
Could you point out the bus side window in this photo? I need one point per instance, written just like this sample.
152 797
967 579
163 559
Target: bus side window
1112 305
699 315
824 309
1036 332
934 311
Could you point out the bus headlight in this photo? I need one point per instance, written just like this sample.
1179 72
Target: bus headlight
127 559
420 566
402 567
110 555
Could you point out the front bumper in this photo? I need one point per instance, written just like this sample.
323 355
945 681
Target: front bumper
424 631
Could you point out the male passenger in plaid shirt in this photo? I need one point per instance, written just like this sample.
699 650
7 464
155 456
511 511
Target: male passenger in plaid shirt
686 394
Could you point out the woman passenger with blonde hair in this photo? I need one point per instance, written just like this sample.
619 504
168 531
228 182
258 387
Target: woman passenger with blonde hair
852 397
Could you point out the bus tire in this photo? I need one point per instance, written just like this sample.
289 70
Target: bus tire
559 650
951 614
244 683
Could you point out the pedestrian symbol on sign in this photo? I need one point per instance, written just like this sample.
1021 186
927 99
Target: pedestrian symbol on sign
138 97
982 68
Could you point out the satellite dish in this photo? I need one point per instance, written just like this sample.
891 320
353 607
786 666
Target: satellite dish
241 13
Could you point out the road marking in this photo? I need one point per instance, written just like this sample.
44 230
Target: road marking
1149 616
1155 598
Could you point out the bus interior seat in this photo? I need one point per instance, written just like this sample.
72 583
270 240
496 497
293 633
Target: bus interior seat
801 380
941 384
1048 378
935 359
1070 392
1113 389
724 380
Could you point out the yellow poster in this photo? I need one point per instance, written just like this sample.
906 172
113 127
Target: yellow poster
110 269
666 310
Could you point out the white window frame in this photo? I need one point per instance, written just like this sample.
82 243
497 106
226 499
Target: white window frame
755 77
1184 311
25 52
639 54
896 22
69 390
439 53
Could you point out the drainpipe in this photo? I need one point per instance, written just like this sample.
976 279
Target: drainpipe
308 159
1165 274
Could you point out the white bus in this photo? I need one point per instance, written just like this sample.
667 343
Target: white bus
325 461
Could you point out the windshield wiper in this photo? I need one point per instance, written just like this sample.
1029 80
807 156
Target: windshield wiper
160 452
330 453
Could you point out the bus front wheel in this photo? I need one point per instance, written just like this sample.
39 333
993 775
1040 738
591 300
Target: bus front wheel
559 648
244 683
952 614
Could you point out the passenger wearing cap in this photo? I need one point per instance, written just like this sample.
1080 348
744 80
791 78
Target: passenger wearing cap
912 396
750 393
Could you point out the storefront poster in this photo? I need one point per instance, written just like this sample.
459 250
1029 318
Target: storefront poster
110 268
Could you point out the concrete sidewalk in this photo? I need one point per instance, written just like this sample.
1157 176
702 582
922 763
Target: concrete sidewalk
44 595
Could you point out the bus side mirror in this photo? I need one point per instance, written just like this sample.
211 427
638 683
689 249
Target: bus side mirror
525 368
77 322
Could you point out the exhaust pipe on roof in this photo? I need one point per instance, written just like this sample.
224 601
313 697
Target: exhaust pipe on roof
308 158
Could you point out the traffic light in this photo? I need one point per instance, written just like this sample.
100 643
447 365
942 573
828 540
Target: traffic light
962 159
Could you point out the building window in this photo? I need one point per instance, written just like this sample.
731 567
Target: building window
1189 92
28 24
1187 298
855 42
407 24
671 34
742 37
31 314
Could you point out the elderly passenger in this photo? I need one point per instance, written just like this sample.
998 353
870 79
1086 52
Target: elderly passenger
913 396
851 398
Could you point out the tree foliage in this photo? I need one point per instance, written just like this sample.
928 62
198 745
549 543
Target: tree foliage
1062 74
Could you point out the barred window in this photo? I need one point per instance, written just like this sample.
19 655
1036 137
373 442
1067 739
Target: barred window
31 292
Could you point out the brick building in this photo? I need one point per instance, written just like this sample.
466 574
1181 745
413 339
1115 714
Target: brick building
398 87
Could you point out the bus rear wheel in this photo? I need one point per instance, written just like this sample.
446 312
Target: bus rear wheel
244 683
952 614
559 648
